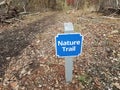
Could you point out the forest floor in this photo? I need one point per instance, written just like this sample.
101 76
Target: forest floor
28 60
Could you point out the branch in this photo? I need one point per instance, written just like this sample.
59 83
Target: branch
108 17
2 3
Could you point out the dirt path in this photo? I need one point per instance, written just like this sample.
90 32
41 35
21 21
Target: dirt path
28 61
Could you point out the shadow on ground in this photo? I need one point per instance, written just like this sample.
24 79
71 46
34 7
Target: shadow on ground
12 42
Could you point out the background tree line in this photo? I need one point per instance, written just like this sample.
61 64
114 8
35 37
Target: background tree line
44 5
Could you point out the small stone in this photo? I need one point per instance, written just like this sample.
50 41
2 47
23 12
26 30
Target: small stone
118 55
23 71
109 50
104 35
73 81
29 72
7 58
38 41
40 85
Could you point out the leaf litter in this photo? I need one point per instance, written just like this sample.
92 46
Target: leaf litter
28 60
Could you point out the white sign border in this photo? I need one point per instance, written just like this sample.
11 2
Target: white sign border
68 34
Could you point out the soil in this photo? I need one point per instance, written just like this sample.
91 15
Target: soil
28 60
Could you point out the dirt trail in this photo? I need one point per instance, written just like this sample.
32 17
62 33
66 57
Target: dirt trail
28 61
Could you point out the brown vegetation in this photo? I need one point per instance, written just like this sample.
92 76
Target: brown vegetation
27 45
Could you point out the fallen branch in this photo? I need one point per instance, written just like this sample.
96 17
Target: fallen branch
2 3
108 17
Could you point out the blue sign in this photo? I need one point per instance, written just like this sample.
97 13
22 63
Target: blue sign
69 44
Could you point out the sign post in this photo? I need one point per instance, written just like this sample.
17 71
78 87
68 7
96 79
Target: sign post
68 28
68 45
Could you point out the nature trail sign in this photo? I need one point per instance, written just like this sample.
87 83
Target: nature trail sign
68 44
